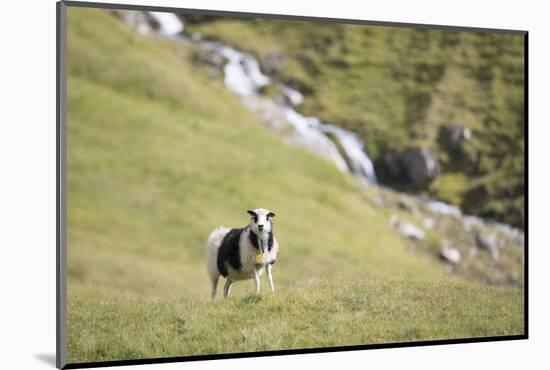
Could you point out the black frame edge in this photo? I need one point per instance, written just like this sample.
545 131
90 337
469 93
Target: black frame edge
224 356
526 182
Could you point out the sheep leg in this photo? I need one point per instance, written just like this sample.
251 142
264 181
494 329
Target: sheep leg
227 288
269 276
214 286
257 281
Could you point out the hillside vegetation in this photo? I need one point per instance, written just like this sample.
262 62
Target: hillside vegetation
402 88
159 155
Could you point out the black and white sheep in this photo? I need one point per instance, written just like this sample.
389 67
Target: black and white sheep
241 254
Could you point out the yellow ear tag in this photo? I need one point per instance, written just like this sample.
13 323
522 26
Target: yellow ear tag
259 258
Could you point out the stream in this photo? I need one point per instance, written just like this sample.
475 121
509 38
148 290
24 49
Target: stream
465 241
243 76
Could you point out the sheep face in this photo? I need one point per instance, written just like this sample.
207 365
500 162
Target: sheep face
261 222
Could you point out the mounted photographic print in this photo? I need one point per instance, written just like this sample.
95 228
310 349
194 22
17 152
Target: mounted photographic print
236 185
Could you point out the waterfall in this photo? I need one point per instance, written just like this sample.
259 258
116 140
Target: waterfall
243 76
242 72
169 23
353 147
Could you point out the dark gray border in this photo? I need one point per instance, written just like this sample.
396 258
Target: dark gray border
224 13
61 185
61 259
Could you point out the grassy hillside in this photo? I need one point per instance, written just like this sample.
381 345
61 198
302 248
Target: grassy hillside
400 88
159 155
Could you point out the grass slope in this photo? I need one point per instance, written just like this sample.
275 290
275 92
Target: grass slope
398 87
158 155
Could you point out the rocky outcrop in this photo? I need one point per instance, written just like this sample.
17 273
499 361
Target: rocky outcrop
420 164
452 136
415 165
407 230
462 242
272 63
391 163
208 57
469 246
488 243
271 113
451 255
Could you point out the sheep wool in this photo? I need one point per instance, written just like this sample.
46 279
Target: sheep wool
243 253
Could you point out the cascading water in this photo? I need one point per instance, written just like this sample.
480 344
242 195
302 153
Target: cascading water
360 164
307 134
243 76
169 23
294 96
242 73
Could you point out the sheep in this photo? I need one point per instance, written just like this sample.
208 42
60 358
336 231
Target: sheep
242 253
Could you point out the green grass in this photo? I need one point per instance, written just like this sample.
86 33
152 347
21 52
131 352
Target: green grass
325 311
449 187
159 155
397 87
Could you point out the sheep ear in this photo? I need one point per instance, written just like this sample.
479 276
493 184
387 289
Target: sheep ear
252 213
270 215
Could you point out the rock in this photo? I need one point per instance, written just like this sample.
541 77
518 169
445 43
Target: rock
269 113
451 255
472 223
382 200
444 209
407 229
394 220
208 57
196 36
213 72
406 204
428 223
510 231
420 164
413 165
392 164
513 277
453 136
280 100
410 231
271 63
489 243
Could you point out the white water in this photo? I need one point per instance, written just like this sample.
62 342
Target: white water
358 160
295 97
242 71
242 75
170 24
308 134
